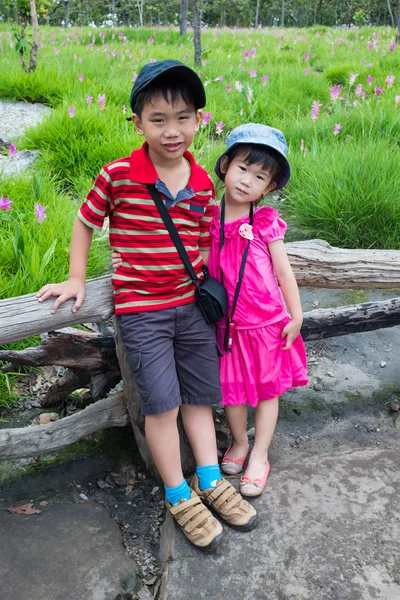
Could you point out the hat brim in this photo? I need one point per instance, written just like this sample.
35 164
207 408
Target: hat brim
187 74
284 176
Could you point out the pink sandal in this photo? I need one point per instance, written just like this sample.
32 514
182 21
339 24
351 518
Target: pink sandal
233 466
254 487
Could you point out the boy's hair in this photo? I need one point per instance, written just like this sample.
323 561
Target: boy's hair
256 154
168 86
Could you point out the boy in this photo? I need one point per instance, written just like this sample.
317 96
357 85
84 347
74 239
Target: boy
171 350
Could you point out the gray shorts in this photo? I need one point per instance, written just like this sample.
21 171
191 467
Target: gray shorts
173 357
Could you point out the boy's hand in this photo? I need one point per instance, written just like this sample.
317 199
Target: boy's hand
73 288
290 332
116 260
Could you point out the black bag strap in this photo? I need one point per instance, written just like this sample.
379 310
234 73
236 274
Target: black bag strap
244 257
162 209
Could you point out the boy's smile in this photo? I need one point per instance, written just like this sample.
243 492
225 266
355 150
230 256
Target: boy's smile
168 128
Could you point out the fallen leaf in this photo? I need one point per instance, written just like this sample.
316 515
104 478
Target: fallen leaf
43 503
129 489
24 509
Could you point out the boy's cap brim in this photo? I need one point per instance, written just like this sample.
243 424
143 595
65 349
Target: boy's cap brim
261 135
153 70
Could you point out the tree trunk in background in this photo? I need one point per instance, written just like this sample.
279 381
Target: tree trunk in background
398 22
282 13
257 14
66 17
197 32
183 17
35 45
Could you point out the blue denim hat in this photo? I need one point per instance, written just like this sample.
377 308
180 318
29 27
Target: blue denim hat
263 135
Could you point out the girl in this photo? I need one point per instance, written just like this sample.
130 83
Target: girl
264 354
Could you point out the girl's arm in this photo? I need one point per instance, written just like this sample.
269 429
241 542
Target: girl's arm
290 291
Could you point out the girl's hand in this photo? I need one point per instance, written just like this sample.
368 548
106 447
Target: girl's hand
116 260
290 332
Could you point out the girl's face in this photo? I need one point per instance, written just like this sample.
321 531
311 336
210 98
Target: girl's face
245 183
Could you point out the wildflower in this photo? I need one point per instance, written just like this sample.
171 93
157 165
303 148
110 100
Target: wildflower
246 54
89 99
71 111
390 80
315 110
353 77
204 63
238 86
40 212
392 47
123 109
228 88
12 151
355 103
318 33
186 56
306 56
120 35
337 128
301 145
378 91
56 50
363 95
206 117
219 127
135 76
358 90
369 65
101 98
335 91
306 69
220 78
81 76
253 52
264 79
5 203
397 101
241 112
370 79
249 95
253 73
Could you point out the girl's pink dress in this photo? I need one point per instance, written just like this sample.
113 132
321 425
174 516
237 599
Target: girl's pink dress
257 368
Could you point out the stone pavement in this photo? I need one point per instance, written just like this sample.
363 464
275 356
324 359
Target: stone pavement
329 530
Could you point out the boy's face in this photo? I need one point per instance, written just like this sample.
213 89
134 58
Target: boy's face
168 128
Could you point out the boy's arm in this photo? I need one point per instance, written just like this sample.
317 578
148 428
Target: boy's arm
74 287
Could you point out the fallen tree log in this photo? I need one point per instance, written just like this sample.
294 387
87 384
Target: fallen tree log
41 439
315 264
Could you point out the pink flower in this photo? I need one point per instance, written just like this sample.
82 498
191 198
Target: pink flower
71 111
204 63
363 95
370 79
220 78
392 47
5 203
150 40
40 212
246 54
253 52
206 117
123 109
101 98
390 80
358 90
12 151
219 127
264 79
337 128
306 56
305 70
249 95
316 106
353 77
335 91
397 101
369 65
228 88
56 50
378 91
81 76
253 73
89 99
301 145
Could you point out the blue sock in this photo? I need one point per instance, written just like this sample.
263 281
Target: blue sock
208 476
174 494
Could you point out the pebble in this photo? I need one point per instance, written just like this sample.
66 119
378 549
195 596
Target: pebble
383 364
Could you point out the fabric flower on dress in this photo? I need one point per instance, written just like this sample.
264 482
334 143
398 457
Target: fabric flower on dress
246 231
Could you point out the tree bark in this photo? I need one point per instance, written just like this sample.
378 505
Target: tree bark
257 14
282 13
390 13
41 439
183 17
197 32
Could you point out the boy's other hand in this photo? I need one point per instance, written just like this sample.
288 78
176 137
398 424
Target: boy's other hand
73 288
116 260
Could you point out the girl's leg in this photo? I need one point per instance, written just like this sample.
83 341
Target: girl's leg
163 440
266 418
237 421
199 426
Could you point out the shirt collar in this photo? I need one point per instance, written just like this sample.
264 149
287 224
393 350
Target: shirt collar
142 170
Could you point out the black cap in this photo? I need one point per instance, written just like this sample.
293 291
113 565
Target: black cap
153 70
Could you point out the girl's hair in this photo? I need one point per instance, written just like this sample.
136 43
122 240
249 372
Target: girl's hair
256 154
169 87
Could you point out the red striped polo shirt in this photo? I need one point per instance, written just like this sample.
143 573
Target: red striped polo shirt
152 275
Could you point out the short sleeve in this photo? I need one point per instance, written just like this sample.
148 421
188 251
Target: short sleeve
269 226
98 202
205 222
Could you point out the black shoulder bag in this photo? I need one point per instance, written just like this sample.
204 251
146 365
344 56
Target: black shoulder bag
230 323
210 294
